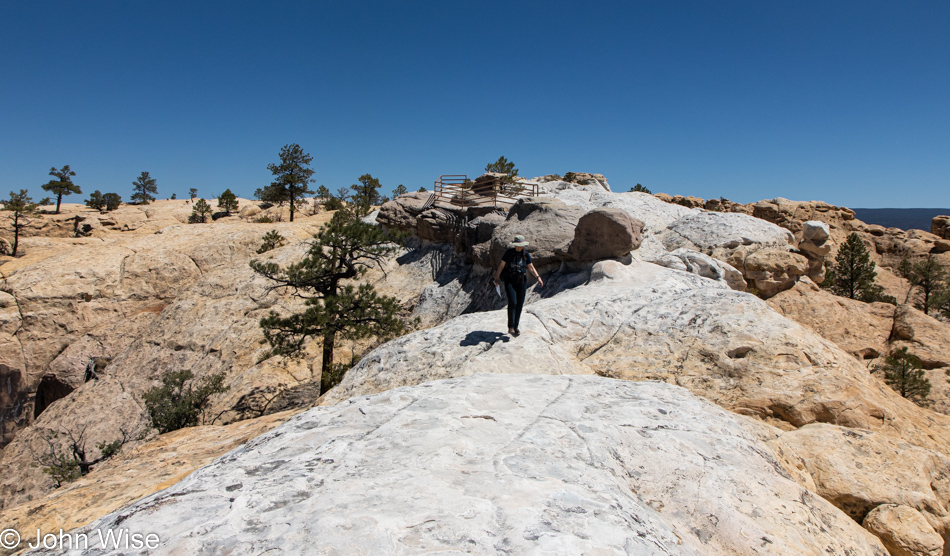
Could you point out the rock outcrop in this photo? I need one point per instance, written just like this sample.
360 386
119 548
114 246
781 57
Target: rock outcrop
605 233
510 463
940 226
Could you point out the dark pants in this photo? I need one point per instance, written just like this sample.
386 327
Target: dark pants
516 293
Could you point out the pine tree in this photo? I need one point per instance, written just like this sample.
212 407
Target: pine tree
21 205
228 201
200 212
904 373
112 201
96 201
145 187
400 190
928 278
365 194
342 252
62 185
503 166
192 194
853 272
292 177
641 189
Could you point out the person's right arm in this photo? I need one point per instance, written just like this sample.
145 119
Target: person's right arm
498 272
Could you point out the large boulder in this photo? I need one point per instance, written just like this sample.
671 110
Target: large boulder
715 232
703 265
903 531
548 225
516 463
605 233
769 270
816 245
401 212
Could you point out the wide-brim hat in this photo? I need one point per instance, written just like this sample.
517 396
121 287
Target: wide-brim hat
518 242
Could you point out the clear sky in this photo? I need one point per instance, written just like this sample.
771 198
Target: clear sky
847 102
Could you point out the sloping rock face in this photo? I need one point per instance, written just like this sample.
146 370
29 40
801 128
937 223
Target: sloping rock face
548 224
630 322
870 331
510 463
859 471
903 531
133 474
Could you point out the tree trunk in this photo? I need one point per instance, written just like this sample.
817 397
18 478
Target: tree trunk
59 201
16 232
326 371
292 199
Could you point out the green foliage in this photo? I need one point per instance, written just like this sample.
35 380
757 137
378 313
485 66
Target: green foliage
342 252
271 240
112 201
145 187
904 373
365 195
192 193
323 193
927 279
103 203
400 190
228 201
292 177
853 273
200 212
639 188
570 177
173 406
22 206
62 185
502 166
422 190
334 203
95 201
174 196
264 219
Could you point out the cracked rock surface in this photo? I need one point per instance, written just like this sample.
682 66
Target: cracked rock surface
500 464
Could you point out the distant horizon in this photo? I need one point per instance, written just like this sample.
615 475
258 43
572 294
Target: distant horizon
748 100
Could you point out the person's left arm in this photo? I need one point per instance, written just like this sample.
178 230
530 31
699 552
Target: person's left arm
532 270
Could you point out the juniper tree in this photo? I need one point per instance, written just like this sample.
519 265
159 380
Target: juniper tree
112 201
853 273
927 277
22 206
341 253
145 187
640 188
67 464
228 201
292 177
400 190
192 193
904 373
96 201
62 185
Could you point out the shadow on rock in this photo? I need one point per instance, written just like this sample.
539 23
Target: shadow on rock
476 337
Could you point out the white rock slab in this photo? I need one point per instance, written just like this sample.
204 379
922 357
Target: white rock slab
491 464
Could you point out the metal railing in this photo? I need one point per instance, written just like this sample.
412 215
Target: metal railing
456 189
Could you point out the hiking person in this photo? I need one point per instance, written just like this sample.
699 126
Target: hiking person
514 268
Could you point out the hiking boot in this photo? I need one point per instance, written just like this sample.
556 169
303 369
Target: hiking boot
517 332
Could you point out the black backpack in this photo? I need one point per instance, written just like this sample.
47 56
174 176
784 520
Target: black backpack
517 269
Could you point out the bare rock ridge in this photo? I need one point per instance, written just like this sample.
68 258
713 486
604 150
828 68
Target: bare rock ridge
516 463
664 296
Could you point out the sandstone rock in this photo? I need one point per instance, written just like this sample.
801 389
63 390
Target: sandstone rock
547 224
815 231
703 265
861 329
858 471
923 335
940 226
769 270
437 224
604 234
903 531
523 463
940 246
401 212
707 232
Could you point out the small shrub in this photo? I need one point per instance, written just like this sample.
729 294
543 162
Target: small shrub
904 373
334 203
200 212
264 219
173 406
640 189
271 240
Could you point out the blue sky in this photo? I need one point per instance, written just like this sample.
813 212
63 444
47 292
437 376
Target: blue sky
847 102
